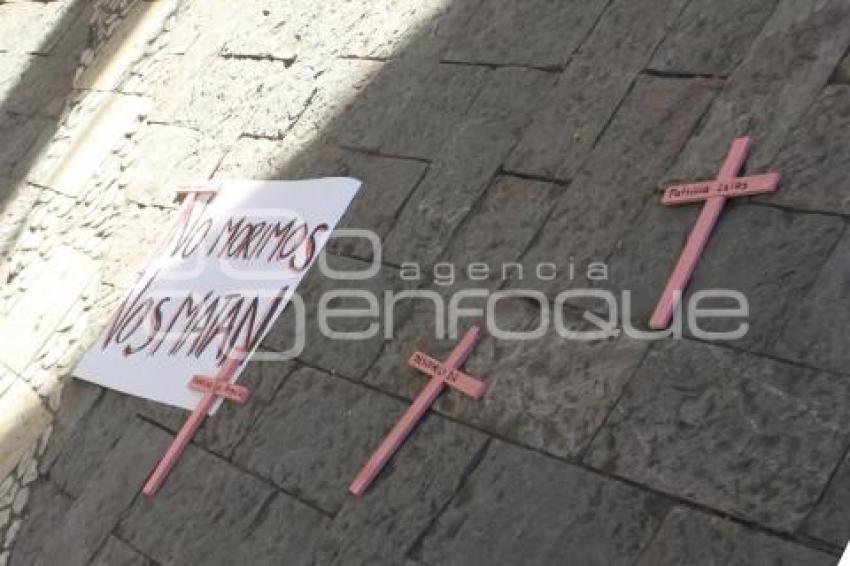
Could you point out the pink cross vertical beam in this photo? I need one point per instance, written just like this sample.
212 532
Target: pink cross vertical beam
212 388
442 374
714 193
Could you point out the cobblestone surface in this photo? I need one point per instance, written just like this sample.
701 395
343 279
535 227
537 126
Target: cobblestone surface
501 134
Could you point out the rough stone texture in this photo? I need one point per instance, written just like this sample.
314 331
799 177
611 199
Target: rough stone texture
110 491
549 393
126 45
321 430
49 508
347 357
536 33
30 321
43 84
641 142
35 27
842 71
25 131
384 28
784 71
89 135
592 86
78 397
816 160
23 417
500 227
747 435
117 553
403 82
91 444
201 496
380 527
16 202
788 248
692 538
166 158
224 431
523 508
465 166
816 332
426 121
712 37
233 97
829 520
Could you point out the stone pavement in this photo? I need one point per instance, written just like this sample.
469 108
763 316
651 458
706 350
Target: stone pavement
489 131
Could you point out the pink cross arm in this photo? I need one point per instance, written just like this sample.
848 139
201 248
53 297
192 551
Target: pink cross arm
738 187
454 377
191 426
413 415
699 236
229 391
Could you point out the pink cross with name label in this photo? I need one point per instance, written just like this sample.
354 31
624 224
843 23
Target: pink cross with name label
714 193
212 388
442 374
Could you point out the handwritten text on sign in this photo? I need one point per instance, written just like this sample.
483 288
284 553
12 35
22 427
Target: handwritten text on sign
224 275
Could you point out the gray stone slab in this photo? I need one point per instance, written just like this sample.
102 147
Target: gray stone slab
816 160
78 397
466 165
117 553
499 228
350 357
830 521
94 440
113 487
519 507
247 96
381 526
413 51
817 332
783 73
17 200
692 538
41 87
550 393
621 174
368 115
222 432
165 158
388 28
739 433
842 71
209 512
321 430
712 37
430 116
535 33
25 131
772 256
589 91
35 27
45 513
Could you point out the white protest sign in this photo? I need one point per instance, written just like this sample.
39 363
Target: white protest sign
223 276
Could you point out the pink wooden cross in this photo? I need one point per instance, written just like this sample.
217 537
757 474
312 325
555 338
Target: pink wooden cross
212 388
714 193
442 374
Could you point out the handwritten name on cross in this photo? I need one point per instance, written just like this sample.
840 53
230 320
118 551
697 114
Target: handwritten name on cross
442 374
212 388
714 193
